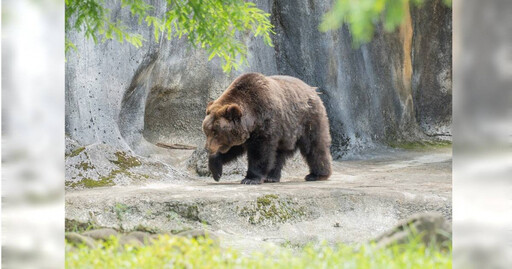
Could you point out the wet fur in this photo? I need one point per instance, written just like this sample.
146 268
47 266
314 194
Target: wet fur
279 115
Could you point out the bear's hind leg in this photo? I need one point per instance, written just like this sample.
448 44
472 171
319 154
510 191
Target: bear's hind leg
317 154
319 163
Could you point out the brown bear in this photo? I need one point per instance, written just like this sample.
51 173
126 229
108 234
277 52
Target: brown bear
269 118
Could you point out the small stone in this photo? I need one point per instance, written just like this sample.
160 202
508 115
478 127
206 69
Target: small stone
77 240
198 234
101 234
277 241
141 236
130 240
154 237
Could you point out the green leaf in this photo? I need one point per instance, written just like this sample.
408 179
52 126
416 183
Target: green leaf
213 25
362 15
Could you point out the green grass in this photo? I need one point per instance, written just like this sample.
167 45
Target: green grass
177 252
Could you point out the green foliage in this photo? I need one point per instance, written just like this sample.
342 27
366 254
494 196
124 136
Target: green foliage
361 16
91 17
179 252
213 25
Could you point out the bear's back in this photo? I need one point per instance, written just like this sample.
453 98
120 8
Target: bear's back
287 94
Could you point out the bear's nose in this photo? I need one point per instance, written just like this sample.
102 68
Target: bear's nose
213 150
211 147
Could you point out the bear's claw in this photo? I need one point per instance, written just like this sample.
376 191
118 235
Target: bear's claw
251 181
312 177
271 180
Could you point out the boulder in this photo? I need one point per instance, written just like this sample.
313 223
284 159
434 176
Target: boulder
130 240
199 234
101 165
76 239
101 234
431 227
141 236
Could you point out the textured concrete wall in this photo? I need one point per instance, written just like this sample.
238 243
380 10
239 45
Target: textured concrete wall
397 87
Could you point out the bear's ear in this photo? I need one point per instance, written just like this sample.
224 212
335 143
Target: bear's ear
233 112
208 106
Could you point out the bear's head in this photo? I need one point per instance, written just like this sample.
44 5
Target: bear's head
225 126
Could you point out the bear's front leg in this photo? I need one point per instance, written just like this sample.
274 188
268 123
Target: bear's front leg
215 165
217 160
261 158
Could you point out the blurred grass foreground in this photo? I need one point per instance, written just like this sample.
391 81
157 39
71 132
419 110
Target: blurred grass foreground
180 252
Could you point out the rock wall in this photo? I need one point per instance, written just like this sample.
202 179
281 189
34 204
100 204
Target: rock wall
432 68
395 88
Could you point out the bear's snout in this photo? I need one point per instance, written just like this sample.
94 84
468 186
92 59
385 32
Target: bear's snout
214 146
211 149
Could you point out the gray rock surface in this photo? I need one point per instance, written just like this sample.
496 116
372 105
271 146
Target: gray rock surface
362 200
432 68
99 165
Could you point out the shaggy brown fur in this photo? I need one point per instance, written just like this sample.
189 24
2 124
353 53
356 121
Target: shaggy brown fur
269 118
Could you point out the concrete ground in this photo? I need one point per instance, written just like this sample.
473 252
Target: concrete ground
362 199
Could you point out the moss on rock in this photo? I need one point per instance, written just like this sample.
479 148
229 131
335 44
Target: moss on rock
419 145
77 151
124 161
91 183
185 211
150 230
270 209
71 225
84 166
